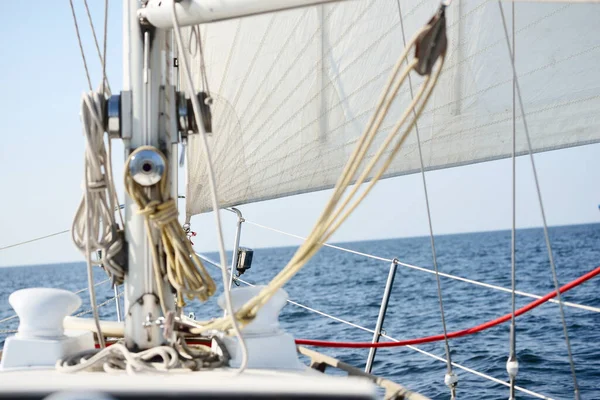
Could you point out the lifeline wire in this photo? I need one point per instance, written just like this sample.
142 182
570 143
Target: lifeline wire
539 196
464 332
470 370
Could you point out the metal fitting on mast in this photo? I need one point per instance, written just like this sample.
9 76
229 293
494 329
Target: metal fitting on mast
117 115
147 167
186 117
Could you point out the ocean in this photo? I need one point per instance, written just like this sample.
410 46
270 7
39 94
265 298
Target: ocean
350 287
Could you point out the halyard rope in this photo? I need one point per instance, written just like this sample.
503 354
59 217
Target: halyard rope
335 214
231 317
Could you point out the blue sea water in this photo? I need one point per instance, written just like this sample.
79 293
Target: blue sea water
351 286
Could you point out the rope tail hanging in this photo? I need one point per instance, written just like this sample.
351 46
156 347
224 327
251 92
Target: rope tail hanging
184 270
430 47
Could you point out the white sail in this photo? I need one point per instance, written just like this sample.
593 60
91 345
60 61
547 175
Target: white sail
293 90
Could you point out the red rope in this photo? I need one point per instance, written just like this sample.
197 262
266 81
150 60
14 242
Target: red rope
456 334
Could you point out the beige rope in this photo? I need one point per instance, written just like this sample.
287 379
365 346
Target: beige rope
336 210
184 269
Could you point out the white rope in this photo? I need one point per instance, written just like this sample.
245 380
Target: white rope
213 188
96 210
117 357
445 275
94 227
343 321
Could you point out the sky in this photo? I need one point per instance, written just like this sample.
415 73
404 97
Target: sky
41 160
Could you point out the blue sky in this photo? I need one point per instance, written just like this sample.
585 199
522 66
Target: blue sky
41 81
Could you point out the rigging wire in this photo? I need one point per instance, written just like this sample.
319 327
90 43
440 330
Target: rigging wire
103 59
343 321
541 204
450 378
374 257
213 190
85 66
512 365
196 33
93 29
421 269
475 372
115 298
35 240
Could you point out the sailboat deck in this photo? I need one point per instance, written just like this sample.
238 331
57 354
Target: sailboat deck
214 384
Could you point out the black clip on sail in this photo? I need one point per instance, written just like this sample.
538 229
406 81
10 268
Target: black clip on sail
432 43
206 115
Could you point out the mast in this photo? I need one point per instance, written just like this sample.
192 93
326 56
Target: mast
143 60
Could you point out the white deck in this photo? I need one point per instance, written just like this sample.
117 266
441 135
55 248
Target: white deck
215 382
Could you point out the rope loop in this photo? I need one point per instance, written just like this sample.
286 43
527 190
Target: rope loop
342 201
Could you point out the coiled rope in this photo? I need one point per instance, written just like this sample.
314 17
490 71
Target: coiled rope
94 226
183 268
162 359
96 210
